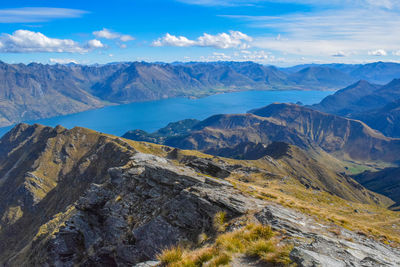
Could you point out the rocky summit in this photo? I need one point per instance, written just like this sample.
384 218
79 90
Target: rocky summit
116 202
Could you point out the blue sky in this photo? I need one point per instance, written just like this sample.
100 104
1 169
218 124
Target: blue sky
277 32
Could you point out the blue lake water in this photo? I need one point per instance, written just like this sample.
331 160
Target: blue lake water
152 115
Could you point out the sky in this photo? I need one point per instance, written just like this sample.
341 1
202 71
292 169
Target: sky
274 32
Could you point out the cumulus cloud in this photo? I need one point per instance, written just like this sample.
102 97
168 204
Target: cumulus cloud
396 53
95 44
27 41
233 39
378 52
24 41
37 14
172 40
108 34
63 60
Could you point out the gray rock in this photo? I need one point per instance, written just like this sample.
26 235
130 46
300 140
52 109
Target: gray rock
315 245
144 208
148 264
206 166
152 204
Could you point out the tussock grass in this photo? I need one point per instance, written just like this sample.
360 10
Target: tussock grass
170 255
219 221
254 240
372 220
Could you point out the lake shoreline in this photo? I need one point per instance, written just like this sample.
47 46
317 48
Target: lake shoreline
112 119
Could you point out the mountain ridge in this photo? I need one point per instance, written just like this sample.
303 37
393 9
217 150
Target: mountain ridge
294 124
30 91
81 197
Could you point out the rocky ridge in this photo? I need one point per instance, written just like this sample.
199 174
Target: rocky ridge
78 197
148 205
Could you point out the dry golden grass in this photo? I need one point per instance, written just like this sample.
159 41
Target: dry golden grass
253 240
219 221
371 220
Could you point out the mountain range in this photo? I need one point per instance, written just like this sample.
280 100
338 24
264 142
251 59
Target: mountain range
377 72
330 139
28 92
280 185
246 135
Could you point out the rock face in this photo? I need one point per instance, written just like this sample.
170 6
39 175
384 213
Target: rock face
144 208
43 170
149 205
320 245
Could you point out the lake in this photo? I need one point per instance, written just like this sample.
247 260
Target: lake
152 115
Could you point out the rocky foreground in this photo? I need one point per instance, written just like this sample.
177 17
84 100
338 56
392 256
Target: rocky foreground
115 202
149 205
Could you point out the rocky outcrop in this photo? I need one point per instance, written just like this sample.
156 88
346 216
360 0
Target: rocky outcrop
324 245
43 171
206 166
149 205
145 207
78 197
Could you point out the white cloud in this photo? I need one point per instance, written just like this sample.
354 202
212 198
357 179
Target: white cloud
24 41
396 53
63 60
126 38
378 52
37 14
27 41
341 54
387 4
107 34
172 40
318 34
233 39
95 44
